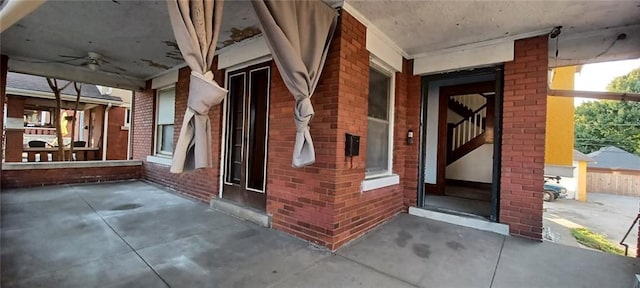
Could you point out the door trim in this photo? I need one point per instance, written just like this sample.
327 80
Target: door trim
254 194
498 73
497 144
266 136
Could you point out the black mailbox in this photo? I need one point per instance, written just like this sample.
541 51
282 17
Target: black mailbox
351 145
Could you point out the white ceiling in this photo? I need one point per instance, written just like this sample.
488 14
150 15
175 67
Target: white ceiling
136 39
419 27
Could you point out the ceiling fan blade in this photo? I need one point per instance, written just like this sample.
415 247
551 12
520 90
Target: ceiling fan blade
115 66
73 57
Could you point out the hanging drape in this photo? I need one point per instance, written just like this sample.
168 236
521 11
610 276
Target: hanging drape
298 33
196 26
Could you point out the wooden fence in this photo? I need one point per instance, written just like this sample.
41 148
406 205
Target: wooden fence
618 182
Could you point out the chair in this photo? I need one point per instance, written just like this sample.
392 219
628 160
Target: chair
37 143
79 143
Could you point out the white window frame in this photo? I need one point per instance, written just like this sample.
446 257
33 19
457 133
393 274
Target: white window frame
387 178
163 154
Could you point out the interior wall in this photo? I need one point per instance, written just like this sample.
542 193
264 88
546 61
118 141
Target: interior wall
477 166
431 119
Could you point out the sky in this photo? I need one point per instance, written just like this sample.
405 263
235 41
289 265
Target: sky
595 77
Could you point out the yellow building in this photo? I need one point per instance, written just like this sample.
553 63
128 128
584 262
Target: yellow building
559 138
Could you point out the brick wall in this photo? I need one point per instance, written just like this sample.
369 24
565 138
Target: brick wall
142 123
117 137
58 176
13 141
413 89
360 211
525 100
323 202
202 184
300 200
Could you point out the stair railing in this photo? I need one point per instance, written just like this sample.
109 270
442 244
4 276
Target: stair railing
626 246
469 128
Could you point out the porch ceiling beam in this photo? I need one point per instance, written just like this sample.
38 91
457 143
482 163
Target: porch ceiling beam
75 73
595 95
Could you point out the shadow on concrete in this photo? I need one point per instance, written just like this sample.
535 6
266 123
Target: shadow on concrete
133 234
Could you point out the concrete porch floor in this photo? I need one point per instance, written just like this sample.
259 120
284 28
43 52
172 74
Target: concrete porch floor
133 234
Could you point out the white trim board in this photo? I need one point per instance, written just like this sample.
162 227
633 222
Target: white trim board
472 57
168 78
166 161
252 49
461 221
380 182
366 22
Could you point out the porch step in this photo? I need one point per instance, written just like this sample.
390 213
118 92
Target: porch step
242 212
461 220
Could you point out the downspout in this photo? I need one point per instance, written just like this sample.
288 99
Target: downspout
105 131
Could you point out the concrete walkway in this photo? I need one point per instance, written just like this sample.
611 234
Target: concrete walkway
134 234
606 214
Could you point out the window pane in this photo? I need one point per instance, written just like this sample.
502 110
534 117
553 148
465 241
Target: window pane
166 143
257 128
377 146
234 128
166 106
378 95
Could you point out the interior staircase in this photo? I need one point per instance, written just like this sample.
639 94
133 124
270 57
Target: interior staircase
476 127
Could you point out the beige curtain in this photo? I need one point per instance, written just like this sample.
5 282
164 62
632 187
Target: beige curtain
196 26
298 34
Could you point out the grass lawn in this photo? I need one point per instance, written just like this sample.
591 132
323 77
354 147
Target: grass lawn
594 240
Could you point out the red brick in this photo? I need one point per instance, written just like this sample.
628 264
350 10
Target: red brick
202 184
45 177
524 121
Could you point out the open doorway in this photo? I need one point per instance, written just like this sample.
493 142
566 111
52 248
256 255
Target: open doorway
460 160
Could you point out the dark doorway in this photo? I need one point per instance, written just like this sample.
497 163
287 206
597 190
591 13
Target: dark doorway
460 151
247 120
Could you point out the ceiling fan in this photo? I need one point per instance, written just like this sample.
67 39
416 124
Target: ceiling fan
94 61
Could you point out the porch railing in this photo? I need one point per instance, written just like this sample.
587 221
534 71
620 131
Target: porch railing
52 154
626 246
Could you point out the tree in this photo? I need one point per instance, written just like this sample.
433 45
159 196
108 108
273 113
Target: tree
610 123
53 84
607 123
78 88
626 83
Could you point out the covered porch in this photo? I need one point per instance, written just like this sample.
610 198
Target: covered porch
137 234
336 199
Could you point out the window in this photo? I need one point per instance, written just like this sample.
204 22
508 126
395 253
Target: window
379 124
164 124
127 117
